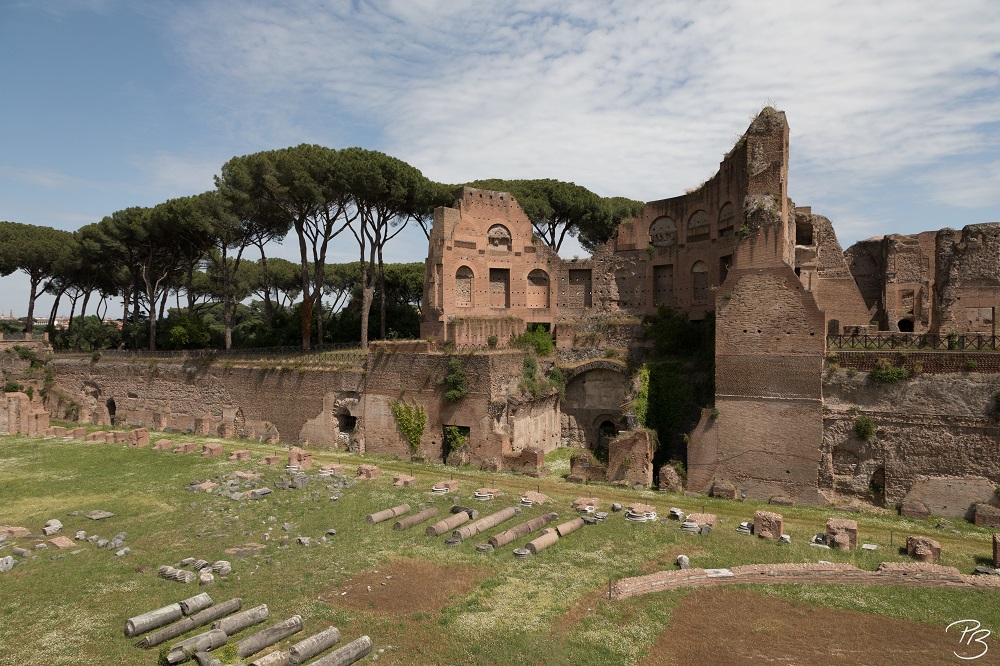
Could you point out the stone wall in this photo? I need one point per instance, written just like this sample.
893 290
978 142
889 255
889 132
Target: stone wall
767 434
20 415
205 397
968 279
500 420
936 440
630 458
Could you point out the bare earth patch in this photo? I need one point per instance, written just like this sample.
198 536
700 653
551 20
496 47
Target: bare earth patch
405 586
714 627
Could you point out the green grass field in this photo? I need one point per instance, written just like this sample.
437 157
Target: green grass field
61 608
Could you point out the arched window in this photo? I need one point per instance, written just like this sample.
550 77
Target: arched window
499 238
463 285
538 289
699 282
698 227
727 218
663 232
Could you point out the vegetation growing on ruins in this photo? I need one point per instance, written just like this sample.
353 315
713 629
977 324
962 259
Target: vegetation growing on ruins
455 438
887 373
454 381
864 427
535 339
411 418
678 379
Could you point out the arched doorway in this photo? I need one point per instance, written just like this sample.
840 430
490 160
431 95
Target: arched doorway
876 486
606 432
111 410
905 325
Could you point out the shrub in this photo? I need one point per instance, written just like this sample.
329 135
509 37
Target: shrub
11 387
454 381
535 338
971 364
887 373
864 427
492 341
411 419
455 437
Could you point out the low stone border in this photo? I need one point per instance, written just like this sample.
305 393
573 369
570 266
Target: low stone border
916 574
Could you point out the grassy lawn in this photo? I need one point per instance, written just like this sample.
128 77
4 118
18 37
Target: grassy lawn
463 607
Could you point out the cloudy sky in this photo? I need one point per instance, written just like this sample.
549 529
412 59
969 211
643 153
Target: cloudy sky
894 106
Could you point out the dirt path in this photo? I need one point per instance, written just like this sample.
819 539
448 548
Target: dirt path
715 627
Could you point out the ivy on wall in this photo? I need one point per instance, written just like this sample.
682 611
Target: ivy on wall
411 419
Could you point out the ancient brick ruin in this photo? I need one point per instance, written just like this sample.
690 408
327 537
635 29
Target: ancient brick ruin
772 274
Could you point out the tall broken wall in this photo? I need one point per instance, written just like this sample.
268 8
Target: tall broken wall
968 280
767 434
936 439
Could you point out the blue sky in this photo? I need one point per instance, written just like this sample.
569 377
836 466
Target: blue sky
894 106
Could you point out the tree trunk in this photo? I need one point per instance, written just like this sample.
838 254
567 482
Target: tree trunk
312 646
381 283
33 294
306 292
346 655
255 643
55 310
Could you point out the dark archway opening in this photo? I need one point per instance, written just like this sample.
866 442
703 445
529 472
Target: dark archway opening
346 422
111 410
905 326
454 440
876 486
605 433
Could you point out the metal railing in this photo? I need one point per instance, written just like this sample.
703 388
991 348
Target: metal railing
916 341
328 354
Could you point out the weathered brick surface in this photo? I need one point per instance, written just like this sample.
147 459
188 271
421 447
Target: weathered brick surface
986 515
923 549
768 525
368 472
241 455
211 450
842 533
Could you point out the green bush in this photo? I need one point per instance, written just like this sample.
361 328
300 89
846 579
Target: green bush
455 438
864 427
411 419
535 338
12 387
492 341
887 373
454 381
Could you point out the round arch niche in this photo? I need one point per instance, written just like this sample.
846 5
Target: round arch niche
663 232
499 238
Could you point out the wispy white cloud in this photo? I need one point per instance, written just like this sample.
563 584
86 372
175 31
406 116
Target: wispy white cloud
167 175
44 178
965 185
626 98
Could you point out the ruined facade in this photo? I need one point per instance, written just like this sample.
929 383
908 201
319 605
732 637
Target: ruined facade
772 274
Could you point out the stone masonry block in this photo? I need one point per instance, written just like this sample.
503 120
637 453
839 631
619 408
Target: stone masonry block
923 549
996 550
211 450
842 533
186 447
270 460
368 471
768 525
242 455
163 445
986 515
